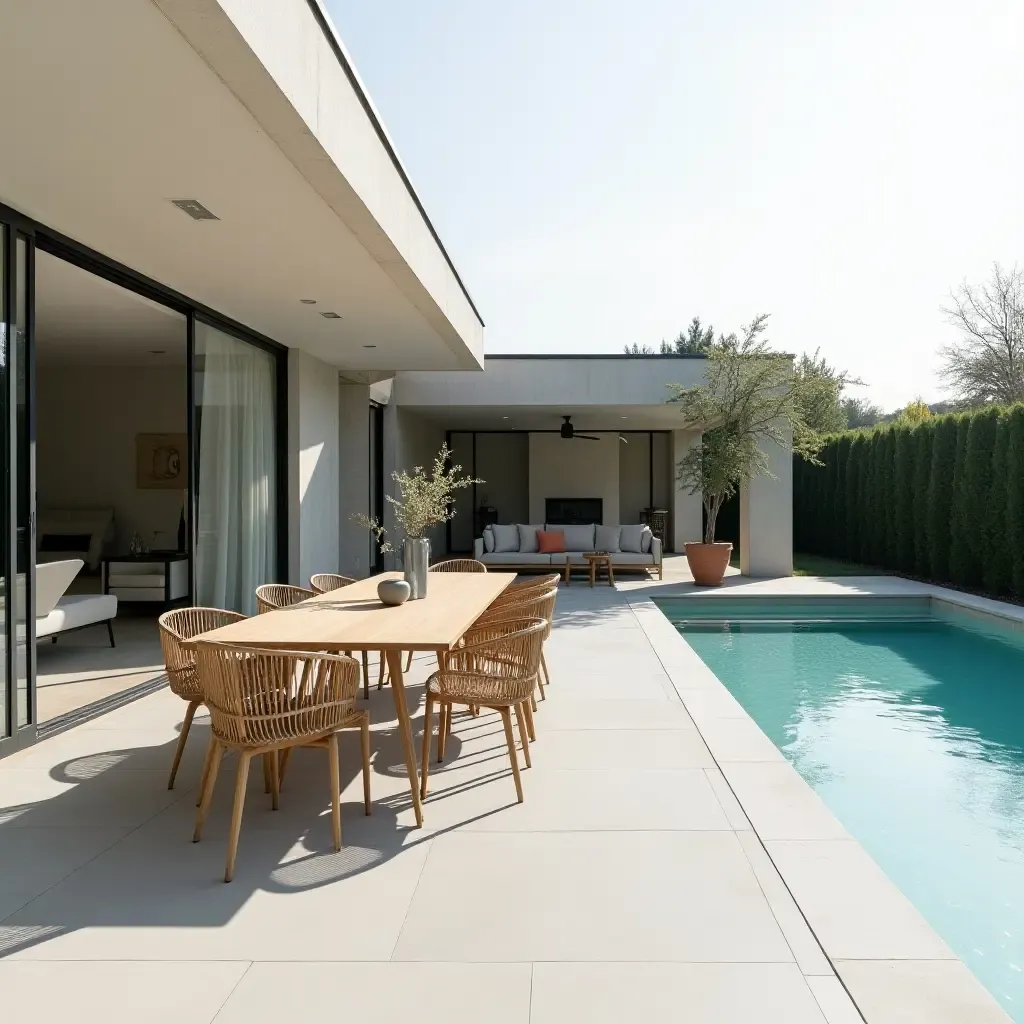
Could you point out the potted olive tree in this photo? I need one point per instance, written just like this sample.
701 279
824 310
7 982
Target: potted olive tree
426 498
751 398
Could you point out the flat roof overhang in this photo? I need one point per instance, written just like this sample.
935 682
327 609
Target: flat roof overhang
116 107
529 392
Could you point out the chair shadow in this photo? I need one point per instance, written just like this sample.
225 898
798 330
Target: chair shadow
154 876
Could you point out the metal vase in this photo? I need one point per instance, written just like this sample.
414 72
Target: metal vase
416 559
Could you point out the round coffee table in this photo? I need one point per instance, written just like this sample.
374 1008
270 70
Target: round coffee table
596 560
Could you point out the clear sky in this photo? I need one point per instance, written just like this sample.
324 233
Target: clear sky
601 172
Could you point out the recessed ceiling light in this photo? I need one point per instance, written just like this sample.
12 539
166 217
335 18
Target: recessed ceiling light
157 351
504 417
369 346
623 417
308 302
330 316
194 209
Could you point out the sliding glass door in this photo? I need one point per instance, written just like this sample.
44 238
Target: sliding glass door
236 469
17 485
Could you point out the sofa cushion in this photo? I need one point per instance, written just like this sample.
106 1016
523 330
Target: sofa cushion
632 558
606 538
488 539
550 541
631 538
506 538
516 558
528 537
645 539
577 538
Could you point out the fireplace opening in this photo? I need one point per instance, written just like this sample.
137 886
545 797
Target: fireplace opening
573 511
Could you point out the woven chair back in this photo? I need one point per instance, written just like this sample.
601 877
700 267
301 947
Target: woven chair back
498 664
180 625
458 565
271 596
260 698
325 582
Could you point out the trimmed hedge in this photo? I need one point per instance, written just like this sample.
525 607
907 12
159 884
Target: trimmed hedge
943 499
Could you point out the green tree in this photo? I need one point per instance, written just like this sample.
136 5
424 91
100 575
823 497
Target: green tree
903 472
997 569
940 496
890 555
821 396
694 341
961 565
854 490
860 412
841 496
977 492
924 435
1015 497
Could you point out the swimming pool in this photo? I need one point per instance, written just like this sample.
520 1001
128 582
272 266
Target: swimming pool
907 718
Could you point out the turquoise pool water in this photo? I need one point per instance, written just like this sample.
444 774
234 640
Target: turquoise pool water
911 729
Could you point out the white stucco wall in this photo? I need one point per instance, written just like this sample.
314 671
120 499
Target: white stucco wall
415 442
766 518
313 467
574 469
686 509
503 463
354 491
634 477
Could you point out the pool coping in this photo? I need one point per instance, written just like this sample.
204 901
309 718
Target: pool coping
892 963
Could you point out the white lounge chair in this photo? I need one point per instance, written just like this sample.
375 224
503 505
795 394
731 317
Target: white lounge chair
57 612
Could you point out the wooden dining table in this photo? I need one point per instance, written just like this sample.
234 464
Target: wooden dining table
354 619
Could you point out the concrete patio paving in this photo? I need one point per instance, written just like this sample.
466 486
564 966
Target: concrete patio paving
630 883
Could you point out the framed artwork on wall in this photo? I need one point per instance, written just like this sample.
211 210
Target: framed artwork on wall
161 461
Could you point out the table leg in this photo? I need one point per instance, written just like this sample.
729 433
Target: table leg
567 564
611 573
405 731
593 571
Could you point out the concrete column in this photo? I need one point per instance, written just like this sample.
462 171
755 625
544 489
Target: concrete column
312 467
354 485
766 517
687 510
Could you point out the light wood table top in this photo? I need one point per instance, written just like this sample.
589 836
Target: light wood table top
354 619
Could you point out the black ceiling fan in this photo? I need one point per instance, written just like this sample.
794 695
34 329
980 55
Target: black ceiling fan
568 433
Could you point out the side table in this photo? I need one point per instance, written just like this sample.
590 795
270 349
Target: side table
596 560
160 576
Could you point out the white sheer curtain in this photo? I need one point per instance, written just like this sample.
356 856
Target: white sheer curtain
235 411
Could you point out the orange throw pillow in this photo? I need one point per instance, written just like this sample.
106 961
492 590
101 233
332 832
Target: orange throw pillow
550 542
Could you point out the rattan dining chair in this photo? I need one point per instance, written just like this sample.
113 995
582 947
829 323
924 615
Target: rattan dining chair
516 592
324 583
495 668
176 627
272 596
264 702
458 565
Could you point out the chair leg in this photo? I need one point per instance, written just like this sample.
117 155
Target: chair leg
335 769
236 812
274 758
544 667
364 735
506 717
444 727
408 662
428 728
207 761
540 686
180 749
285 757
110 632
529 721
533 702
366 675
216 752
524 738
381 671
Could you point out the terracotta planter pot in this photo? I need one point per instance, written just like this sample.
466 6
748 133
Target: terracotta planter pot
708 562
